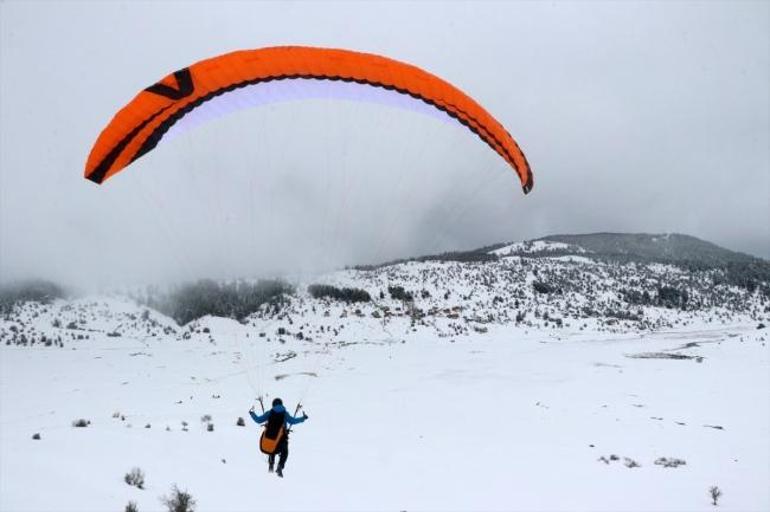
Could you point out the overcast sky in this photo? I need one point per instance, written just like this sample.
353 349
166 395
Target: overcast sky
636 117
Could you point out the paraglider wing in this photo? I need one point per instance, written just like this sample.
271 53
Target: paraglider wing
139 126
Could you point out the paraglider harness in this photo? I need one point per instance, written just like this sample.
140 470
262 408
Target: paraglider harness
275 430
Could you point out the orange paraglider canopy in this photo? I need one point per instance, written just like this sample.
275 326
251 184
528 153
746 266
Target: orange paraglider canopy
139 126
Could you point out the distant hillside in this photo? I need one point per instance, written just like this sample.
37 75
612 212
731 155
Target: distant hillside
685 251
526 284
594 281
668 248
682 250
40 291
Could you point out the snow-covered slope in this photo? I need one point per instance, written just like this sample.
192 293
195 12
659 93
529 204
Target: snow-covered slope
536 247
449 297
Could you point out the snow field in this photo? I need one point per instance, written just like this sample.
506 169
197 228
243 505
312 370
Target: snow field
499 421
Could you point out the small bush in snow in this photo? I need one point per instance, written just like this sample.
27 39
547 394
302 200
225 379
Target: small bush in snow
81 423
131 507
630 463
670 463
36 436
240 422
715 493
135 477
210 427
178 501
206 418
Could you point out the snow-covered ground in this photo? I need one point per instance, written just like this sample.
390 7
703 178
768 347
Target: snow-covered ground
512 419
536 246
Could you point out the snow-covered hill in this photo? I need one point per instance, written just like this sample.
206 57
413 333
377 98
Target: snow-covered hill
569 291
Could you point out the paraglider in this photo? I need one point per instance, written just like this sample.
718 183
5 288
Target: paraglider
275 437
228 82
286 72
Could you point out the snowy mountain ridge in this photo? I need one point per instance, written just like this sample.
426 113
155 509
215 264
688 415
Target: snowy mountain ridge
645 247
541 284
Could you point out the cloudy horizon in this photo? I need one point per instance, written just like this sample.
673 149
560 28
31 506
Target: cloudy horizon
635 116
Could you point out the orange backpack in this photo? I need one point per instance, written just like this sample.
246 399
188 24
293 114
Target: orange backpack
272 434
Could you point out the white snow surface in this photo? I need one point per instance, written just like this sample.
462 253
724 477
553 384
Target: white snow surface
536 246
462 409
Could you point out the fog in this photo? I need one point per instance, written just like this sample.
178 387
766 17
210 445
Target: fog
635 117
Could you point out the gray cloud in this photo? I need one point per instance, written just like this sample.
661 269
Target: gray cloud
635 116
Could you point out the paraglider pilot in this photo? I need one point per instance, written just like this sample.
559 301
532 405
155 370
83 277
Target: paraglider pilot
275 437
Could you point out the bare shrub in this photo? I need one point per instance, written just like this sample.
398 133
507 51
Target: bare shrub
135 477
240 422
131 507
81 423
630 463
178 501
715 493
670 463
